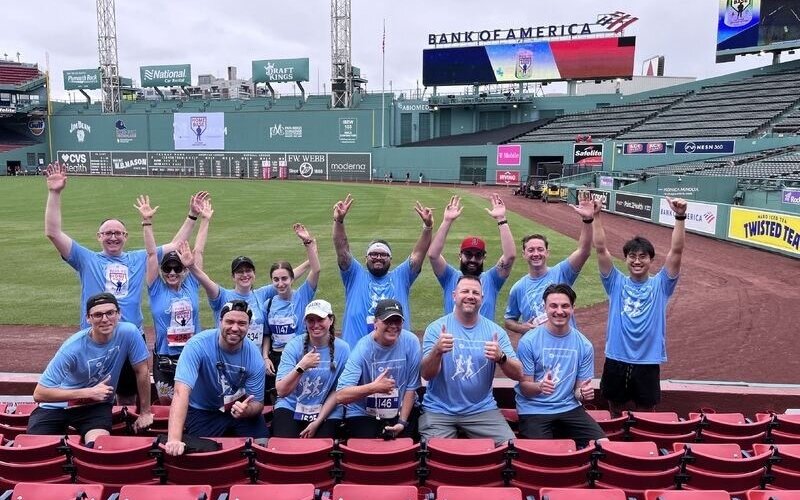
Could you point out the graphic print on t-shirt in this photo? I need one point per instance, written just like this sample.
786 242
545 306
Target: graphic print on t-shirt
561 363
377 292
468 358
99 368
117 279
181 327
635 299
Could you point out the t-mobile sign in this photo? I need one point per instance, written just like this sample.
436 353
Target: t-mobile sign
509 154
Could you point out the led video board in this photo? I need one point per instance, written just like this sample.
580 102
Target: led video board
750 26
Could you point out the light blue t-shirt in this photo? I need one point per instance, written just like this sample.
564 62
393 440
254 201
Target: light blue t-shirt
491 283
123 276
176 314
285 317
463 385
256 299
637 317
81 362
568 358
315 384
525 298
217 377
368 360
363 291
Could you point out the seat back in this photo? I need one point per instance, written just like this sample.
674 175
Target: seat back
477 493
394 461
276 491
373 492
49 491
581 494
165 492
686 495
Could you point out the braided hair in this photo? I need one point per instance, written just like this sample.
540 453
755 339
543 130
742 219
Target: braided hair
331 342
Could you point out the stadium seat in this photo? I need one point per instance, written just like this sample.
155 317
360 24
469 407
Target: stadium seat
537 463
634 466
34 458
785 429
613 427
221 469
711 466
276 491
477 493
115 461
783 471
164 492
731 428
394 461
581 494
50 491
16 414
686 495
773 495
463 462
373 492
663 428
160 419
288 460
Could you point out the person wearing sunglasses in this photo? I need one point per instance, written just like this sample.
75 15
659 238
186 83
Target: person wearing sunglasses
77 388
174 298
114 270
472 256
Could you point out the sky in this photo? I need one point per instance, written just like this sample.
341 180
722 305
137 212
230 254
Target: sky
211 35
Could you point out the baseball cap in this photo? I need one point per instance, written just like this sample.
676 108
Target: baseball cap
99 299
242 261
320 308
387 308
236 305
473 243
171 257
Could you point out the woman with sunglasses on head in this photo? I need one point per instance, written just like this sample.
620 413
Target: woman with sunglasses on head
174 298
307 377
284 311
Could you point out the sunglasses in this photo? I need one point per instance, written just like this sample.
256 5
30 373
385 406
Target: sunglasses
473 255
176 269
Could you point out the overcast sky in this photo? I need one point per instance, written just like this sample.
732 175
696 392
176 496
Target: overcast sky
212 35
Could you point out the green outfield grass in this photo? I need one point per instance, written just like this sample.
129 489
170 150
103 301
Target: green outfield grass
251 218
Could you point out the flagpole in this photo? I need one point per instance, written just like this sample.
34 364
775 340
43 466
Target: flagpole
383 85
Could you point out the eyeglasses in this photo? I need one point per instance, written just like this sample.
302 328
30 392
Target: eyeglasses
473 255
640 257
378 255
113 234
246 270
100 315
175 269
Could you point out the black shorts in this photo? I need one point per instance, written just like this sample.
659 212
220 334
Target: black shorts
82 418
622 382
285 425
270 396
574 424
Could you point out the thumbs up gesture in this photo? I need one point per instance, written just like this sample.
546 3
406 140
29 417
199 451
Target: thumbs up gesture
310 360
239 408
384 383
585 391
547 385
491 349
102 391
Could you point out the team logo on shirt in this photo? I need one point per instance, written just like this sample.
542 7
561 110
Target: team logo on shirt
468 359
117 279
99 368
561 363
636 300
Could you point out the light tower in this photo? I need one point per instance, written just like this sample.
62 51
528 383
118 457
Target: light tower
341 54
107 49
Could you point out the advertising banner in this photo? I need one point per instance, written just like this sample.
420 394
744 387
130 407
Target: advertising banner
166 76
349 166
749 26
507 177
705 147
280 70
645 148
606 181
202 131
765 229
509 155
307 165
603 196
125 163
77 79
700 217
791 196
634 205
587 154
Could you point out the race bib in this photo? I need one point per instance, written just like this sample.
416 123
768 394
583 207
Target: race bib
306 413
177 336
255 332
383 405
228 400
282 338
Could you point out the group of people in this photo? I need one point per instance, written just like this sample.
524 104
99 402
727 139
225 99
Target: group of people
278 345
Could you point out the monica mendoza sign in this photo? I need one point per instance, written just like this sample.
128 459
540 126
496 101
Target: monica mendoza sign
587 154
634 205
77 79
765 229
166 76
280 70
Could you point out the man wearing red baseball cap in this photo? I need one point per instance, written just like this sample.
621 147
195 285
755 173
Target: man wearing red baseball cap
472 256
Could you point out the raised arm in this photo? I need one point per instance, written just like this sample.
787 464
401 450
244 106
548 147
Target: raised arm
195 204
432 362
584 208
311 251
424 242
498 213
451 213
673 260
56 175
187 259
147 212
599 237
340 243
206 211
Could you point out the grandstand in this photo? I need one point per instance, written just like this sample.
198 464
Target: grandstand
22 104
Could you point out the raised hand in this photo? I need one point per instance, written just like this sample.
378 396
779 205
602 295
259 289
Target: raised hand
453 209
491 349
310 360
498 210
197 201
425 213
56 175
444 343
383 384
585 206
143 206
185 254
341 207
301 232
678 205
206 210
239 408
547 385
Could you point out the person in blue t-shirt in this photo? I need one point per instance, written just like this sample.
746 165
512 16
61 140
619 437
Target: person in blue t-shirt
307 377
174 298
525 309
113 269
460 353
77 387
472 256
284 311
381 378
557 368
637 314
363 288
219 383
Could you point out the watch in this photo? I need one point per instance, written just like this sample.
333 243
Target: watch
502 359
299 369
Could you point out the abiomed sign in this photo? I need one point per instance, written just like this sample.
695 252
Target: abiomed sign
77 79
166 76
280 70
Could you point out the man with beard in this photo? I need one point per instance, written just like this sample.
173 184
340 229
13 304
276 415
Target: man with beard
364 288
472 256
525 309
461 352
219 382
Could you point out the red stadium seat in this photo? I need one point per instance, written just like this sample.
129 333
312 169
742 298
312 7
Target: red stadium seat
663 428
635 467
288 460
477 493
116 461
395 461
613 427
581 494
686 495
784 465
221 469
50 491
463 462
731 428
373 492
276 491
773 495
16 414
785 429
34 458
165 492
548 462
710 466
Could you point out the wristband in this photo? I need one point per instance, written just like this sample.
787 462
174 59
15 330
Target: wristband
307 242
147 224
338 221
588 221
402 422
501 222
193 217
426 228
680 217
